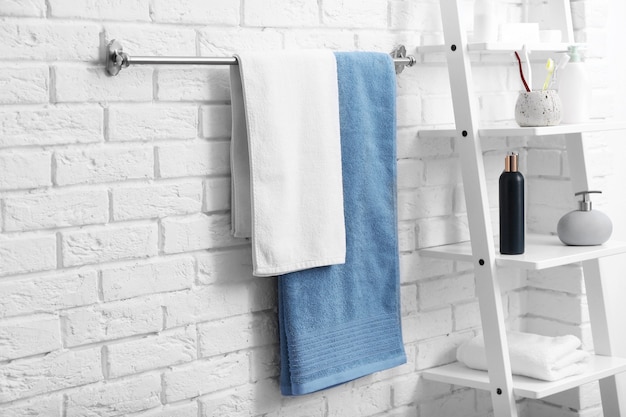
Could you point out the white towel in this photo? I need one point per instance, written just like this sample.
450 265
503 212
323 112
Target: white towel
533 355
286 160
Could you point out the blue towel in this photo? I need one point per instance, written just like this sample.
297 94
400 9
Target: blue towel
341 322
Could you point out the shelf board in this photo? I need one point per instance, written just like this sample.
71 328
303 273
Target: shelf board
542 251
500 47
509 47
514 130
458 374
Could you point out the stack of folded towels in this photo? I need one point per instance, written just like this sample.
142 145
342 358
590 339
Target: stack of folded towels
532 355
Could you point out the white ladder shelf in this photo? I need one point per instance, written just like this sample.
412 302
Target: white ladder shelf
541 251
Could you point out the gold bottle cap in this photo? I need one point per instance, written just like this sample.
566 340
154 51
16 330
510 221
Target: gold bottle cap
510 162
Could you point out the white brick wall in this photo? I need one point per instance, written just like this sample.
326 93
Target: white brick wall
112 320
55 371
47 292
28 254
119 397
37 334
25 169
99 164
122 291
141 278
49 40
50 126
109 243
49 210
168 348
144 123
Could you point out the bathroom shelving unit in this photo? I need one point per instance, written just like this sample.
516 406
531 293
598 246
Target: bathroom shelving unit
541 251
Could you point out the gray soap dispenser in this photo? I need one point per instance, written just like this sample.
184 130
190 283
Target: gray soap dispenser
584 227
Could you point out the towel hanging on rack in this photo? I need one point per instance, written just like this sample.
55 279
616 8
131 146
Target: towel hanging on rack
341 322
286 160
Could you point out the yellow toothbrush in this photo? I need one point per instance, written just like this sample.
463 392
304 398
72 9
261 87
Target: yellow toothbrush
550 68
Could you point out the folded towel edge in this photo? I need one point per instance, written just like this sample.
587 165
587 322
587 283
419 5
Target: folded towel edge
342 377
299 266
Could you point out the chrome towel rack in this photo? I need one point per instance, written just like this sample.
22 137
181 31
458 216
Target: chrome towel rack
116 59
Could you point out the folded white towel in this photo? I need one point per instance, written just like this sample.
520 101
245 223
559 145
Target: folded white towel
286 160
533 355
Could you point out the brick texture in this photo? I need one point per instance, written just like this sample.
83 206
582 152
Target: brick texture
122 292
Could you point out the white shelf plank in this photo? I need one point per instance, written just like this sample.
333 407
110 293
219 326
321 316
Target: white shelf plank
458 374
429 49
500 47
509 47
542 251
514 130
441 132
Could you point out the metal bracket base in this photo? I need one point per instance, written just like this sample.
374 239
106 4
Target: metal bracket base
116 58
399 52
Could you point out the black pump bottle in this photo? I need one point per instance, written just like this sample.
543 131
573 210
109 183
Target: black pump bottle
511 207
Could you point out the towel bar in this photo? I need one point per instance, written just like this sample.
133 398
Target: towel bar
116 59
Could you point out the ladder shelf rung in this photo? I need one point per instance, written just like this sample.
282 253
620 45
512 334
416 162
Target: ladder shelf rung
511 129
458 374
542 251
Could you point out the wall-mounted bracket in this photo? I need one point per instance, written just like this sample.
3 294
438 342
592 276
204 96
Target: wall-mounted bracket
401 60
116 58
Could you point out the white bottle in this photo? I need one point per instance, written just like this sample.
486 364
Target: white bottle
574 89
485 27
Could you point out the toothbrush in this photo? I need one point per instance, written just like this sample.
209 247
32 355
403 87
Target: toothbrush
529 70
521 72
550 68
562 63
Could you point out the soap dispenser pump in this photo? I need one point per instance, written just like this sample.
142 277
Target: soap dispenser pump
584 227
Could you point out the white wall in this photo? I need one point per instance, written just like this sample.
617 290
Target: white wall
122 291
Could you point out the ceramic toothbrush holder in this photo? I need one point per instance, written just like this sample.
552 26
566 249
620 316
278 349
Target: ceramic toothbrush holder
538 108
